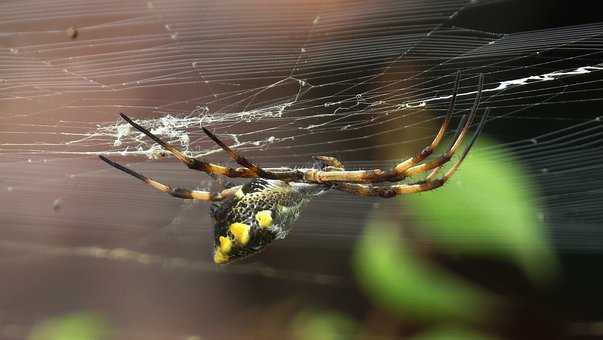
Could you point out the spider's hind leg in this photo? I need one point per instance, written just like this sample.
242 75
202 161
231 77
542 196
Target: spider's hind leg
190 162
291 175
174 191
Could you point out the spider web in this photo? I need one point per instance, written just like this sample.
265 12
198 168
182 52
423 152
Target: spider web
280 93
280 81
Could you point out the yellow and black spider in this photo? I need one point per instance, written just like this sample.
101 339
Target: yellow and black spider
252 215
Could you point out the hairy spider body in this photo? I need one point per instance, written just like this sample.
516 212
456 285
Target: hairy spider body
251 216
260 212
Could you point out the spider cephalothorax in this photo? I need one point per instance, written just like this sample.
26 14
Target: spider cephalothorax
252 215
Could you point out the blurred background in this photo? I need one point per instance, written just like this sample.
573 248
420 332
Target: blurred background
510 248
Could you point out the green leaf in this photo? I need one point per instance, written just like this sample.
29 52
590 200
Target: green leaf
77 326
322 325
451 333
488 207
396 279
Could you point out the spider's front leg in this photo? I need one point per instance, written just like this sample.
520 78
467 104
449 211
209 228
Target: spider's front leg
429 183
411 166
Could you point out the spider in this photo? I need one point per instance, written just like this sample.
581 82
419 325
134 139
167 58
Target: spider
248 217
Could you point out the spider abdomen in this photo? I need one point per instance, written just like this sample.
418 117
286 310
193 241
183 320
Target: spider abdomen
260 212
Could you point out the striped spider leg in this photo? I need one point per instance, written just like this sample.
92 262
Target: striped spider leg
248 217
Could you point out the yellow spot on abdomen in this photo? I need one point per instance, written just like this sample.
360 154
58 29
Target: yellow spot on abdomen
225 244
264 218
239 194
220 257
240 231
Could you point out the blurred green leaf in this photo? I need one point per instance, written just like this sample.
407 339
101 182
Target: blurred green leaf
322 325
396 279
488 207
77 326
451 333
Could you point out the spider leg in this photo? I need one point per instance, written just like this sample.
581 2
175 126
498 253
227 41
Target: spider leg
192 163
428 150
408 167
289 175
401 189
456 135
457 141
176 192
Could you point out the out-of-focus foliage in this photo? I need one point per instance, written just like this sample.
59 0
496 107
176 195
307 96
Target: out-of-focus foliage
451 333
323 325
488 208
396 279
77 326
